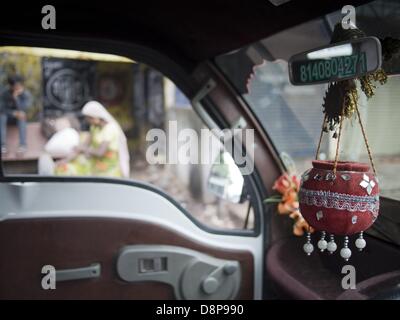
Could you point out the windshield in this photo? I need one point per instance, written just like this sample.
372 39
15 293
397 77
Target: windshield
292 115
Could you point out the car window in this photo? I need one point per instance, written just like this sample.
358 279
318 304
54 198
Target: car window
72 113
291 115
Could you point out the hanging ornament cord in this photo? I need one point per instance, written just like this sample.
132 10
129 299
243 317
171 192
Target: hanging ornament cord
366 140
339 136
338 143
320 136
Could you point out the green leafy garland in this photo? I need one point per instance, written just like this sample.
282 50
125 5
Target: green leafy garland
341 98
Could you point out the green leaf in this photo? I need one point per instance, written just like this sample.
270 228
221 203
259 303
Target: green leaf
275 196
272 200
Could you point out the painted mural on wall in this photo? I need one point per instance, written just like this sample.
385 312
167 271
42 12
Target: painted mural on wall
67 84
61 85
132 92
113 87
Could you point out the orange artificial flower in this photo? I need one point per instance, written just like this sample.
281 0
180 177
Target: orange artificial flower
282 184
296 215
295 183
301 226
289 202
290 197
288 187
284 208
285 183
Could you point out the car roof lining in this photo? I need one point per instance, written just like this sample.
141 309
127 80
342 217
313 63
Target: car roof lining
180 30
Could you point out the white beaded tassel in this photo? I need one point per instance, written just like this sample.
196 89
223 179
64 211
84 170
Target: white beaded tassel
308 246
345 253
331 245
360 242
322 244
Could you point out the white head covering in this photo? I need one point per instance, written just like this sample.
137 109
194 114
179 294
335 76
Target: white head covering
95 109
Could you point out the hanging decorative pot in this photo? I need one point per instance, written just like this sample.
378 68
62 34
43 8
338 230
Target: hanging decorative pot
338 197
342 202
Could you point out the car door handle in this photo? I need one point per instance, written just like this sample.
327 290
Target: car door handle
92 271
192 274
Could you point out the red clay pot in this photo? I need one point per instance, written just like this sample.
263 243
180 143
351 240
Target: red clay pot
344 204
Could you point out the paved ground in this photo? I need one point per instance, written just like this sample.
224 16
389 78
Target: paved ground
219 214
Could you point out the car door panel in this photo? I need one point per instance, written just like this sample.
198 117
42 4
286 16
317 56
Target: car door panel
73 224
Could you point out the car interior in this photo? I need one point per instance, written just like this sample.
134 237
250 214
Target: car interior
184 231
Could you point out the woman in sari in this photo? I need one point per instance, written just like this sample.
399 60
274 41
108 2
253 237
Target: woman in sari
103 153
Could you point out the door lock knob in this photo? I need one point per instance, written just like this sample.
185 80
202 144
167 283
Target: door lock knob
230 268
210 285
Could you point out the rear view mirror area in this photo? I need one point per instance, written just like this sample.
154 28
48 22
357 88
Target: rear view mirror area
335 62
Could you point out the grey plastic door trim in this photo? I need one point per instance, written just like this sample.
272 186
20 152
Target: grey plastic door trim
22 200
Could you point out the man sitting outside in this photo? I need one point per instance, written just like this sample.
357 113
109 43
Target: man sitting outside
14 103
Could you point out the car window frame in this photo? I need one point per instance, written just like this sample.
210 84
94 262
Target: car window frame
178 74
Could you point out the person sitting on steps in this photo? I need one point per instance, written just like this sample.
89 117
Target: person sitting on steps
15 100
